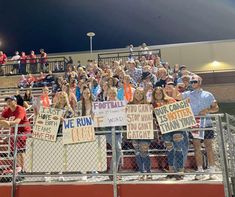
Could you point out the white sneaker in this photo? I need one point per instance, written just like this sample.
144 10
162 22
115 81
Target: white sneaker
200 176
213 177
61 178
48 179
84 178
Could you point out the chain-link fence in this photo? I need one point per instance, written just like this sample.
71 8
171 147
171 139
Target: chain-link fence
178 156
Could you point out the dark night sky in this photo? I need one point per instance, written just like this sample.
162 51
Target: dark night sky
61 25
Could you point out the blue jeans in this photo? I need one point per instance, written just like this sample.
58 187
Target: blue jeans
177 148
142 155
118 146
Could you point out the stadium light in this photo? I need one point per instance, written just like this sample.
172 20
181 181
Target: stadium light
90 35
215 63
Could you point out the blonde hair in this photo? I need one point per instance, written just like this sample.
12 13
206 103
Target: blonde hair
144 99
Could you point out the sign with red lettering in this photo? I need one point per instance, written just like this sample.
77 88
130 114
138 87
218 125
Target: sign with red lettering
78 130
47 124
139 122
175 116
109 113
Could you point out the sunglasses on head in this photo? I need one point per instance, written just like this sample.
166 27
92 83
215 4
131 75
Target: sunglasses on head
193 82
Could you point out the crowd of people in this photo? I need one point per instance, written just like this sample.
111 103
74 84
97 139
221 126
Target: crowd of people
20 60
145 79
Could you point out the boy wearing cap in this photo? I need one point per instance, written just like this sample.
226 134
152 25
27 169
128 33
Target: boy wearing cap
202 103
12 115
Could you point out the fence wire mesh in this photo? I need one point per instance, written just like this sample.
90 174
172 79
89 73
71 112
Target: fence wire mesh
172 157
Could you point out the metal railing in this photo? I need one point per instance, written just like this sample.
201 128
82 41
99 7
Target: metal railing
54 64
127 55
96 162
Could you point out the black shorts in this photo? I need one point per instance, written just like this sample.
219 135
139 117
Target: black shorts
209 134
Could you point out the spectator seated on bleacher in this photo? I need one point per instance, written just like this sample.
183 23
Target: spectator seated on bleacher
30 80
28 97
39 80
23 83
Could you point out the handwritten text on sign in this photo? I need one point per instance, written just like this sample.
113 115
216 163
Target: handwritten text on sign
109 113
78 130
139 122
47 124
175 116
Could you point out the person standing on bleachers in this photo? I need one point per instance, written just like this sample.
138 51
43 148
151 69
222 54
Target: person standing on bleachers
43 61
33 62
3 60
202 103
16 63
23 62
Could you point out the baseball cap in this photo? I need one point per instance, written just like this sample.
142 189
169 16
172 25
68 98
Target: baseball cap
182 67
196 78
145 75
13 98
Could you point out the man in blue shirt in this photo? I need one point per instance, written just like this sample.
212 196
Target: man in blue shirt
202 103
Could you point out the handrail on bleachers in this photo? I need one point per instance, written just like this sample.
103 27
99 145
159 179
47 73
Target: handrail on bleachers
54 64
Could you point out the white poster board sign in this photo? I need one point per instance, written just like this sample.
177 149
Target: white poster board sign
175 116
47 124
109 113
140 122
78 130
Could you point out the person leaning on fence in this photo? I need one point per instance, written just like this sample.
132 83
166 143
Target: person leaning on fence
202 103
176 142
141 146
12 115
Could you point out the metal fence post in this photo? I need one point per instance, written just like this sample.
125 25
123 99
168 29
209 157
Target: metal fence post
13 189
231 152
114 162
224 161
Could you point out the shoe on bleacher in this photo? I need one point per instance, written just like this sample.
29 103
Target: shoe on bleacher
211 172
200 176
213 177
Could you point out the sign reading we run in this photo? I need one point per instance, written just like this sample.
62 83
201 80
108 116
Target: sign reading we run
78 130
175 116
47 124
139 122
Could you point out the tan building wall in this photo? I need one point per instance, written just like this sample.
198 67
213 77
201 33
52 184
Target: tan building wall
197 56
224 93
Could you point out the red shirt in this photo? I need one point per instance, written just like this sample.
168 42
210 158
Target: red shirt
43 58
18 113
3 59
30 79
23 59
32 59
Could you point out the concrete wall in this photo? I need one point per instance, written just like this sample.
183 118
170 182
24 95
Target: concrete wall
224 93
197 56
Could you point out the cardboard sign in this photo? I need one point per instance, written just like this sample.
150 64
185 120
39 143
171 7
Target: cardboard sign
109 113
78 130
47 124
199 134
139 122
175 116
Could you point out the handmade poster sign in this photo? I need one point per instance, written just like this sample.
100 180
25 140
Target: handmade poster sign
175 116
